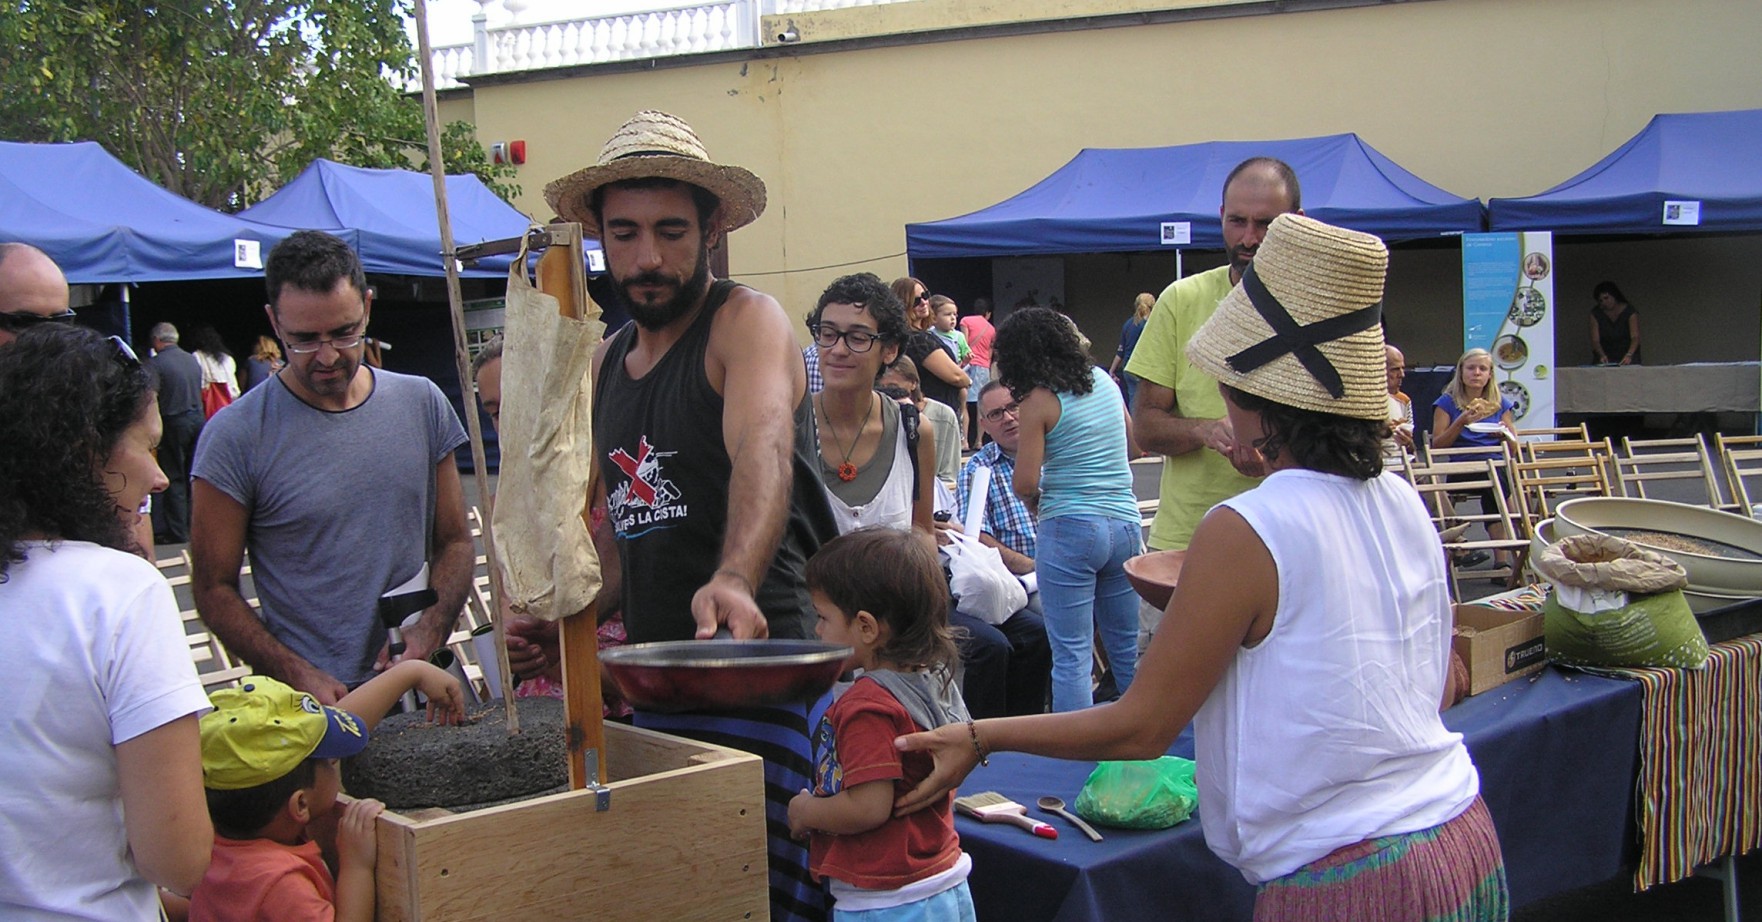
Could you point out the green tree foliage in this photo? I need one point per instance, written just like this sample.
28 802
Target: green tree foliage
222 102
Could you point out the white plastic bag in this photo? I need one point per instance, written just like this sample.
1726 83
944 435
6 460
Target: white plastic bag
983 587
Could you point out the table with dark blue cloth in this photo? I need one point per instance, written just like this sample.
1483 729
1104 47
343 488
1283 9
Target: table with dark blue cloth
1556 752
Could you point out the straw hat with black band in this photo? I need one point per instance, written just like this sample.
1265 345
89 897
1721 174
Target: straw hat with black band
1302 327
655 144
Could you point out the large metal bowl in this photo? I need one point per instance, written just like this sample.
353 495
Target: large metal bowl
1707 573
721 675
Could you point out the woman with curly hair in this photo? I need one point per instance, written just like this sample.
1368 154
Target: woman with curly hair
1072 471
1310 652
101 775
870 478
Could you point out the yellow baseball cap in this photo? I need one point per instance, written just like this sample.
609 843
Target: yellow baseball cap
263 729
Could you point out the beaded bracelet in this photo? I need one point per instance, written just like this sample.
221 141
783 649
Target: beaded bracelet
978 747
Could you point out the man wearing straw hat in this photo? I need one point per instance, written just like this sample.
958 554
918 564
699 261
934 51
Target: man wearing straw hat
1177 410
705 452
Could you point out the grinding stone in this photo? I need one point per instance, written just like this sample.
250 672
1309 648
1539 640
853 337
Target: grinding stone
409 763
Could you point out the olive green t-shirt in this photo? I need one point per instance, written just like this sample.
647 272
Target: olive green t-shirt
1200 479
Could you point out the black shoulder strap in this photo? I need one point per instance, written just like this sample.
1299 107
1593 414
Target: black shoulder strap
908 418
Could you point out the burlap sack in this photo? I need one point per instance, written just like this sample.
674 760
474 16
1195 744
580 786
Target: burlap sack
1602 562
549 568
1617 604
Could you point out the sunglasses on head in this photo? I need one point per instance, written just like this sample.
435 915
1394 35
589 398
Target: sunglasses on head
22 320
125 356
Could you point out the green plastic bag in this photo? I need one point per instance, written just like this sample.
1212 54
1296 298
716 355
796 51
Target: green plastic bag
1139 795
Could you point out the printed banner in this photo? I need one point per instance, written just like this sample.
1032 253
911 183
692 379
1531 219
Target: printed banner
1508 310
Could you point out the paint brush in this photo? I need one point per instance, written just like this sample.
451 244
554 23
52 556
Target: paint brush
992 807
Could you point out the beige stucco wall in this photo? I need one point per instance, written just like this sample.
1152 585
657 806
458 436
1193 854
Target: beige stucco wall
1482 97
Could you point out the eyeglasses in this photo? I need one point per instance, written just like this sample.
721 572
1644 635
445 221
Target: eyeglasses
125 356
922 297
339 343
826 336
23 320
996 416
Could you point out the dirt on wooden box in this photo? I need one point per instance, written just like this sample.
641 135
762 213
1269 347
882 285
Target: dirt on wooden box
410 763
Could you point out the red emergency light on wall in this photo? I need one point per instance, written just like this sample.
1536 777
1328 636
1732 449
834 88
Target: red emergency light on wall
513 152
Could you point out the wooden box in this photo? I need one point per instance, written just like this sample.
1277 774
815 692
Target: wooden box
1498 645
683 839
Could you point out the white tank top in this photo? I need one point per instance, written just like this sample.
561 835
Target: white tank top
1327 732
892 505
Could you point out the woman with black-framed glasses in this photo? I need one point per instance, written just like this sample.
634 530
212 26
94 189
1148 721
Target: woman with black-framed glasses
858 326
102 767
939 369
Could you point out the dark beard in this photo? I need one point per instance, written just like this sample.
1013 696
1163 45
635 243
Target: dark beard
1240 258
654 317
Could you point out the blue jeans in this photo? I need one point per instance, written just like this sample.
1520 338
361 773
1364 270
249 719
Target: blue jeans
1081 561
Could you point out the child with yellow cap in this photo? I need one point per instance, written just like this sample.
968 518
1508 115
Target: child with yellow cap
270 767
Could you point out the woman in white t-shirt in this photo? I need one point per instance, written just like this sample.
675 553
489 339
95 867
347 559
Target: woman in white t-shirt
101 772
1308 640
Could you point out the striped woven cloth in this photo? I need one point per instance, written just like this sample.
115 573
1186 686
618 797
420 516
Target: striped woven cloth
1699 795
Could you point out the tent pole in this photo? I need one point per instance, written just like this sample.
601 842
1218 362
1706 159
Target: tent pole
461 355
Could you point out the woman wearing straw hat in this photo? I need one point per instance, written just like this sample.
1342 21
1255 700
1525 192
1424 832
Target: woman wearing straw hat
1328 781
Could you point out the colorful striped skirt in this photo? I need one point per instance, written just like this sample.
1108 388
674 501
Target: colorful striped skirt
1452 872
779 735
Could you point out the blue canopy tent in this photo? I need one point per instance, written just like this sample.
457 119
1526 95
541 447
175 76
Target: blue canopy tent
103 222
1705 158
1117 200
388 216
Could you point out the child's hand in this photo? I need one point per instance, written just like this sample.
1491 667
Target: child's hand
798 808
446 698
355 842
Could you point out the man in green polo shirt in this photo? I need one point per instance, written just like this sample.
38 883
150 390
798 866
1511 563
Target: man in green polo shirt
1178 410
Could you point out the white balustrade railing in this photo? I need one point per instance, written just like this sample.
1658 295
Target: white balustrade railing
815 6
705 27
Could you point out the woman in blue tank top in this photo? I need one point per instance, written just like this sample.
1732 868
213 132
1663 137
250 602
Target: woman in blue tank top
1073 472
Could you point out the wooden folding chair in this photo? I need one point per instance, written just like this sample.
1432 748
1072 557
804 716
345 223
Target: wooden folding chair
1541 485
1578 433
1456 529
1740 456
1649 461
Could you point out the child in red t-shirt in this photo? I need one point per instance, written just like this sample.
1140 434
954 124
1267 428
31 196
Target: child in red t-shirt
270 766
882 591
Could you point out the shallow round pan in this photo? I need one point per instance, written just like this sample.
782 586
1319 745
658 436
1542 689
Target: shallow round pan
1707 573
1155 574
721 675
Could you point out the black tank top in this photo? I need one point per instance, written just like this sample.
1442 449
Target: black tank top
658 444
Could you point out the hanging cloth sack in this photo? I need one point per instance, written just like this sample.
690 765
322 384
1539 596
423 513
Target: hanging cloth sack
1617 604
549 568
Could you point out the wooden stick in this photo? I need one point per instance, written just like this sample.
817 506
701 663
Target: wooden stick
461 355
562 276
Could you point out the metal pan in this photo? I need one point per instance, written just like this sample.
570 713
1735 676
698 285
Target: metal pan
721 675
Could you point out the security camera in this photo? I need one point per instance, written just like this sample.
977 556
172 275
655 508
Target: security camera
789 35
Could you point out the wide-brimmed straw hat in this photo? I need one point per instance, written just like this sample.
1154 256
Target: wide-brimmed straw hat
1302 328
655 144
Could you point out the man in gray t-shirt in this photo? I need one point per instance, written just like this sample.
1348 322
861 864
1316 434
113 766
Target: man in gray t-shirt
339 478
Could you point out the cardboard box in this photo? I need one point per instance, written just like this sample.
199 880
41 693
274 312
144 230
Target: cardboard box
684 839
1498 645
